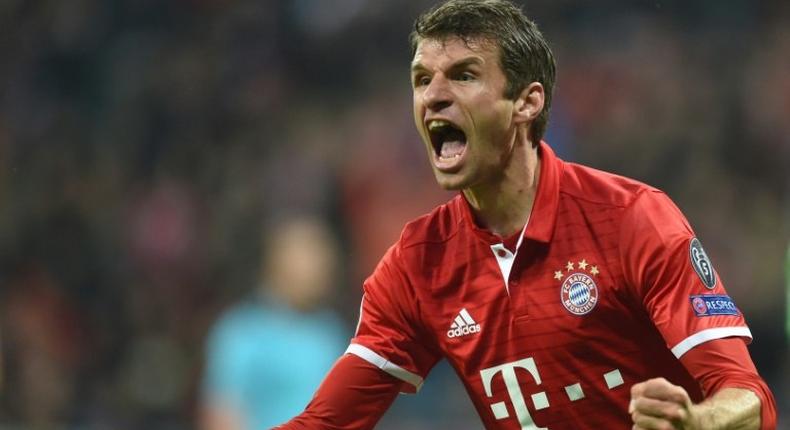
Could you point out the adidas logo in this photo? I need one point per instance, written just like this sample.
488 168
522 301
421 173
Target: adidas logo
463 325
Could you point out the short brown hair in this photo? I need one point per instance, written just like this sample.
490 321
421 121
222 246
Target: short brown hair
524 53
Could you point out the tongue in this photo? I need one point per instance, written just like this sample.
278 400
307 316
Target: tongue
452 148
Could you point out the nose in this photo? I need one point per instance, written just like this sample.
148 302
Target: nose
437 95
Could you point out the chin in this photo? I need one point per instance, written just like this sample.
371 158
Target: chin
450 182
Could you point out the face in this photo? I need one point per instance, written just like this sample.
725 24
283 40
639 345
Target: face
302 262
461 113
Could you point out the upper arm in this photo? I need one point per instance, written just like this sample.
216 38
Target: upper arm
669 272
390 335
674 279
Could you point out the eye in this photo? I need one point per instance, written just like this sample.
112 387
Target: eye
421 81
466 77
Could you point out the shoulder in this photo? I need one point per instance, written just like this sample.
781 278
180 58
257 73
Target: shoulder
593 186
422 239
633 204
233 330
436 227
238 317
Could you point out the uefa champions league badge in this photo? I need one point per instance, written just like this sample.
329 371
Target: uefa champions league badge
701 263
578 291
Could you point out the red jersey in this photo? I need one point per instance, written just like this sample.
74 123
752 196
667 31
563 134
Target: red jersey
607 286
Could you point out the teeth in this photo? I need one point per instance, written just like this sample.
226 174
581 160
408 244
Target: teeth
437 123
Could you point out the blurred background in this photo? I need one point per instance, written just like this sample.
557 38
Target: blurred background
151 151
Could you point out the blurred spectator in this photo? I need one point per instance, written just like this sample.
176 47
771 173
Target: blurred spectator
267 355
45 343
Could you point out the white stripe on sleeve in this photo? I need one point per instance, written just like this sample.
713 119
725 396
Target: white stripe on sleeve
382 363
709 334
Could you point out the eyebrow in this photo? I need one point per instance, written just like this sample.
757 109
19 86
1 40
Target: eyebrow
471 60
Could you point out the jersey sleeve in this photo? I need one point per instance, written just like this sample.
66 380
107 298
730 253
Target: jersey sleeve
390 334
353 396
725 363
669 272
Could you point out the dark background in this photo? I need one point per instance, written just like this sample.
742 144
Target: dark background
145 145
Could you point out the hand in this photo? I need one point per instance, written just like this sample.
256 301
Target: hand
656 404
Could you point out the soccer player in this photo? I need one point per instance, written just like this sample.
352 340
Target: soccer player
564 297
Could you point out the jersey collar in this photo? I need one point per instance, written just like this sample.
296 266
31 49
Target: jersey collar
544 210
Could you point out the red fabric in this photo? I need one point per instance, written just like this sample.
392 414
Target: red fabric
725 363
599 293
655 247
601 290
353 396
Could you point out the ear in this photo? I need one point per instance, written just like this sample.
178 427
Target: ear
529 103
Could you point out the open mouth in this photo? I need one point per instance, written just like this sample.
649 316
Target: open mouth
448 141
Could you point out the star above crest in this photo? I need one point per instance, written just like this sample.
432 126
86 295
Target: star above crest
580 266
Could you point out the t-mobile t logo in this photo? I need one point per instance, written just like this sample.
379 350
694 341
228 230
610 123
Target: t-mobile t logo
575 392
508 372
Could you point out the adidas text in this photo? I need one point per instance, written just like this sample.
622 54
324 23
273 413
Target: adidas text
463 331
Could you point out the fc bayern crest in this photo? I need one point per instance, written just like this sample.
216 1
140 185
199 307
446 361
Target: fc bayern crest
578 293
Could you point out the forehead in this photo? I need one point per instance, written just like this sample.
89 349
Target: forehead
437 51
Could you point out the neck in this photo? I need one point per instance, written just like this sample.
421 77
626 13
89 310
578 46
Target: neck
503 206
